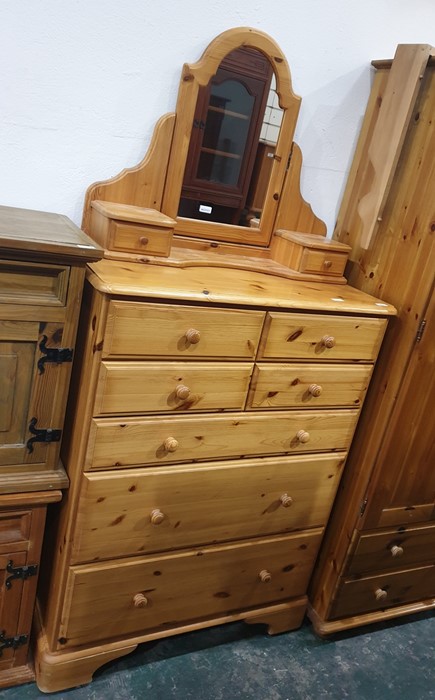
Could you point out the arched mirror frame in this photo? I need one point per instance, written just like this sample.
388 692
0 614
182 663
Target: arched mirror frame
199 74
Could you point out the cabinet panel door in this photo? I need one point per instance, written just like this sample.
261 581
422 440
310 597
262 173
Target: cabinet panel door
27 391
406 492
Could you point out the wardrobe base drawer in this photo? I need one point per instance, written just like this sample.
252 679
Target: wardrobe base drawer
384 591
156 593
394 548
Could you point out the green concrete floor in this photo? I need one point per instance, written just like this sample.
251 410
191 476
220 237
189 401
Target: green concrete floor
388 661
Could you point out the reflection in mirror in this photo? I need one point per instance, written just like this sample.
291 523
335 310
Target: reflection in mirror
232 143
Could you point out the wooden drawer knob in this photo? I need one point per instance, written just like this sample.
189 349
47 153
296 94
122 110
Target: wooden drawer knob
265 576
182 392
157 516
193 336
143 240
140 601
327 264
170 444
396 551
380 594
303 436
315 389
286 500
328 341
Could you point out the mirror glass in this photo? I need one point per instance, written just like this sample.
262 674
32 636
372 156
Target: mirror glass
232 143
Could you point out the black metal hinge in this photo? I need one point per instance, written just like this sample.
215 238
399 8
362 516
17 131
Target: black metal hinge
420 331
12 642
19 572
41 435
57 355
363 506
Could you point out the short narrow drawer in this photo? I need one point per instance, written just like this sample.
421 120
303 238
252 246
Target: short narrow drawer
384 591
394 548
307 385
14 527
135 596
155 330
134 238
128 442
142 387
33 283
323 262
153 510
320 337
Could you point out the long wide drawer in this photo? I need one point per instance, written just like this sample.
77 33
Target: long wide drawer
384 591
321 337
135 329
128 442
152 510
394 548
137 595
144 387
308 385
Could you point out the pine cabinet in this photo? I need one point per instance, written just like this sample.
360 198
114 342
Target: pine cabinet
378 560
42 266
205 445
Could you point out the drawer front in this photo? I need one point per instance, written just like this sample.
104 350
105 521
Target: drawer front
154 240
155 593
143 387
33 283
322 337
151 510
384 591
308 386
156 330
14 527
113 443
322 262
394 548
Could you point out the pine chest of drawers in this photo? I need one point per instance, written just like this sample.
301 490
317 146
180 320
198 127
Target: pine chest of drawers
208 434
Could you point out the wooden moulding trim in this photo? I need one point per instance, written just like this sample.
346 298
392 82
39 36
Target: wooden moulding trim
142 185
312 240
131 212
325 627
294 213
12 500
64 669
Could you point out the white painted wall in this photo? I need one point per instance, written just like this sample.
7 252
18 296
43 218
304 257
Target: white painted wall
82 83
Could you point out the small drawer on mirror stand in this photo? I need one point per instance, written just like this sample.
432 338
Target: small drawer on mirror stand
129 229
311 254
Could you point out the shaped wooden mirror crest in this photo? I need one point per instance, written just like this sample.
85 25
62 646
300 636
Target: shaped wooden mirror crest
219 185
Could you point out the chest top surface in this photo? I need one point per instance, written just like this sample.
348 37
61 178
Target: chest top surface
216 285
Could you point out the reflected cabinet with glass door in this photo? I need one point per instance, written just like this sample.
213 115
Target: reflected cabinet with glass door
225 137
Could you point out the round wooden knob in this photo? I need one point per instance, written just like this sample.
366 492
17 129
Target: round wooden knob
396 551
286 500
328 341
140 601
182 392
157 516
265 576
170 444
315 389
303 436
327 264
193 336
143 240
380 594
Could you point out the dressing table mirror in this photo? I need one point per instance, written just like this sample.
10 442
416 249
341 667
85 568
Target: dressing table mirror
220 183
